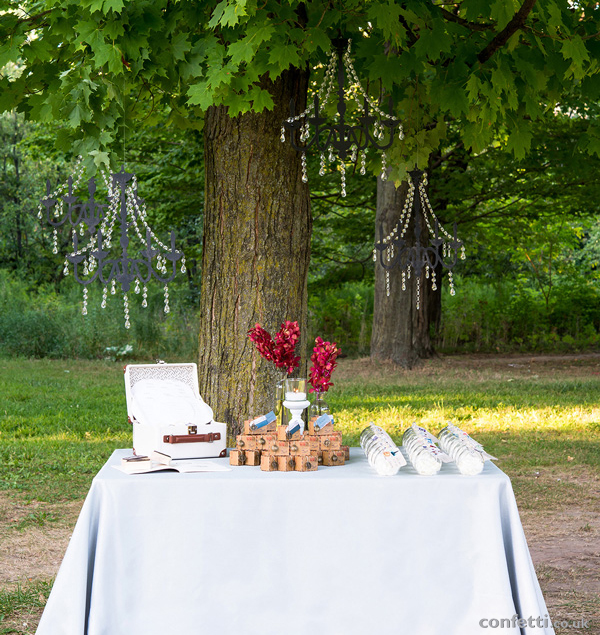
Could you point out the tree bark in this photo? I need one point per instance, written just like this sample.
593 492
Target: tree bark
401 332
256 250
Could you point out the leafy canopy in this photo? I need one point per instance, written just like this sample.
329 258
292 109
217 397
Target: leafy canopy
492 66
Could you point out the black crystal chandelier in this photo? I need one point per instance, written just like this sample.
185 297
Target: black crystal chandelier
374 129
432 247
100 252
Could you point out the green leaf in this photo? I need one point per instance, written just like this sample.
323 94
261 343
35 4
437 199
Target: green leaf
284 56
241 51
100 159
115 5
574 49
261 99
386 15
180 45
502 11
77 115
228 13
473 86
200 95
519 140
10 51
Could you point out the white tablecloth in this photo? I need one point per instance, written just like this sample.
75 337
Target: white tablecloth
340 551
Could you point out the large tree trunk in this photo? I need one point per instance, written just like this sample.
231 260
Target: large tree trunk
401 332
257 227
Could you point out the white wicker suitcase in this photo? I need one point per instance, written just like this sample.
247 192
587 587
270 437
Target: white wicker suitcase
168 414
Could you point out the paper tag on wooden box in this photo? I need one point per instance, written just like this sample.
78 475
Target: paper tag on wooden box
253 457
261 425
307 463
321 425
346 452
333 457
269 463
283 434
286 463
237 457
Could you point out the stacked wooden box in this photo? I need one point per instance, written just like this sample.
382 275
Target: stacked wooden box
274 449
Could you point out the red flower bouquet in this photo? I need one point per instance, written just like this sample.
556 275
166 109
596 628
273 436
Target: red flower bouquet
324 362
281 351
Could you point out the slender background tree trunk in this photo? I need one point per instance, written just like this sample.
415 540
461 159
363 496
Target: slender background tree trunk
256 250
401 332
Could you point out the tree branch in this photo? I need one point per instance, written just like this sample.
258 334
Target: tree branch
517 22
472 26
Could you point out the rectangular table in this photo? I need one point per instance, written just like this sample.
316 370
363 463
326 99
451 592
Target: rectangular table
340 551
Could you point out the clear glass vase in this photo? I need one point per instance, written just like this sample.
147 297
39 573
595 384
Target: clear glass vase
281 413
319 406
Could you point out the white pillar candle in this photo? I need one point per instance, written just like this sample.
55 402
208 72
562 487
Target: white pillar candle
295 396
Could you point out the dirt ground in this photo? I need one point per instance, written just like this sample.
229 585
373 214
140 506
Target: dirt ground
564 542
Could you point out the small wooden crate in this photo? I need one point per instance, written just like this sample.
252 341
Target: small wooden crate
278 448
313 441
346 452
246 442
331 441
264 441
286 463
237 457
300 448
307 463
269 463
334 457
252 457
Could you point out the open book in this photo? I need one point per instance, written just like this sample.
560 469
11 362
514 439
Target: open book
158 462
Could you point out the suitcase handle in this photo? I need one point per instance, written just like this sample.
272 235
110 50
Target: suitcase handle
192 438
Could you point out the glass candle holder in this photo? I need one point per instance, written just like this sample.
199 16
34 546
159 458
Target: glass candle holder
295 389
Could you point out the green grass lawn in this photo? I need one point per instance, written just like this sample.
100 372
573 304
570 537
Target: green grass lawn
60 420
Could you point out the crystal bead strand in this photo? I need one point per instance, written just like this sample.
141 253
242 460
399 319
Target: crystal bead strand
418 303
183 267
304 173
433 283
387 283
403 281
113 287
137 286
363 162
383 167
343 177
54 241
322 166
85 301
126 310
104 296
144 297
167 308
451 281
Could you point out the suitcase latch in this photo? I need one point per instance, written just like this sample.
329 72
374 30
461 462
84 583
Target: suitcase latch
192 429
